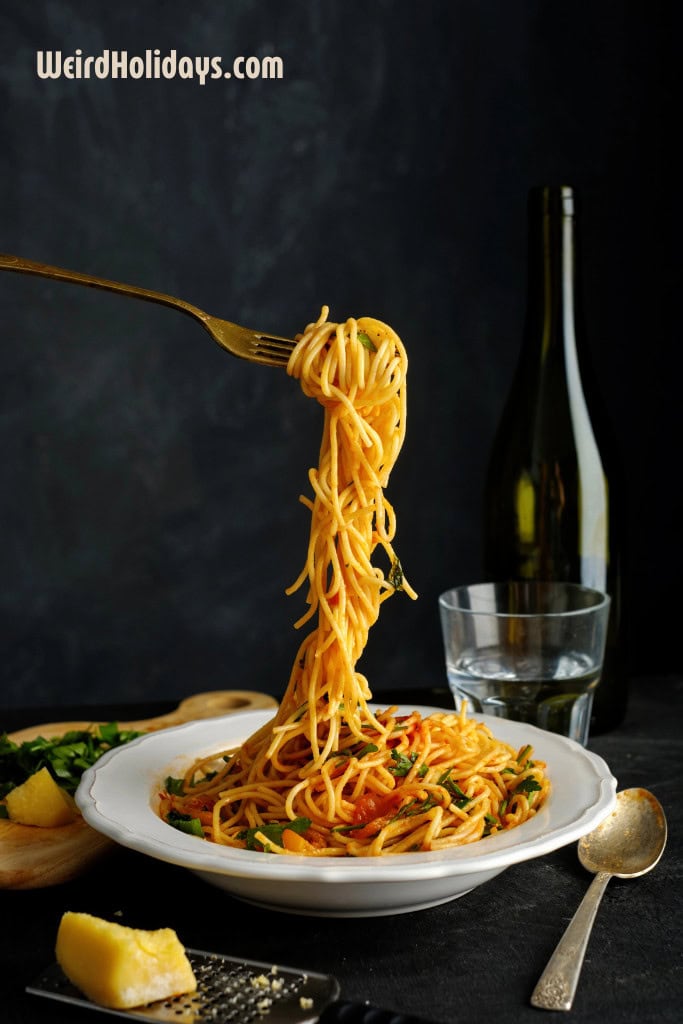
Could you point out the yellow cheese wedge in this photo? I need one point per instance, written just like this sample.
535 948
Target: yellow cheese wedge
40 801
122 967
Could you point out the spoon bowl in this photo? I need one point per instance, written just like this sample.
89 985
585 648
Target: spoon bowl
627 844
630 841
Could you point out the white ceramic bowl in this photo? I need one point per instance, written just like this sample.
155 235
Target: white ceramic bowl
118 796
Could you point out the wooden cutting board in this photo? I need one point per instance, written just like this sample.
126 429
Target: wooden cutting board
33 858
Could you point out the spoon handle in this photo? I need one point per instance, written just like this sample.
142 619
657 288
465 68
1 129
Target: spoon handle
557 985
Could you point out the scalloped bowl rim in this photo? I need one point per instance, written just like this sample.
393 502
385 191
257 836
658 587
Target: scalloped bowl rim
117 797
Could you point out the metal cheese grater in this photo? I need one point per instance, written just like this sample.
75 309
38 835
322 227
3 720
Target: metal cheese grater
235 991
228 990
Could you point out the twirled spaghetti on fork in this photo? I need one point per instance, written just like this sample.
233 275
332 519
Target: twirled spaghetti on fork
330 776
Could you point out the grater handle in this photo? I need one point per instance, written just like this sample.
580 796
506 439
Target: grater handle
365 1013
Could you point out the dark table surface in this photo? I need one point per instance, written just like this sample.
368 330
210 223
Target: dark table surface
474 959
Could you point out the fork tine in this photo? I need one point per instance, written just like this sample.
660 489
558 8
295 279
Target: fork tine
273 347
257 356
276 342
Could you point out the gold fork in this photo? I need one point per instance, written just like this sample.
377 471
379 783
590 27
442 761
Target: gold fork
257 346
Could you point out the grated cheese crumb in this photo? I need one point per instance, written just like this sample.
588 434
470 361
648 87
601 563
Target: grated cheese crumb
305 1002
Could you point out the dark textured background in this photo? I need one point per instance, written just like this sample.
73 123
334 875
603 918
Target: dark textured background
149 521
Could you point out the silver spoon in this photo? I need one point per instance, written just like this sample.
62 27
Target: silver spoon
627 844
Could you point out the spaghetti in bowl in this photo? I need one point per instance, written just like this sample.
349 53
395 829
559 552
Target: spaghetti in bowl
119 797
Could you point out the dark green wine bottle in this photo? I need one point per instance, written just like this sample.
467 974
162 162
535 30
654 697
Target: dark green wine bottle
552 509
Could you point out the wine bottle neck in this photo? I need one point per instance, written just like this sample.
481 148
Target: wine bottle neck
552 262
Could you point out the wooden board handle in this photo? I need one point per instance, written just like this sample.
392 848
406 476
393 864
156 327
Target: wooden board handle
211 704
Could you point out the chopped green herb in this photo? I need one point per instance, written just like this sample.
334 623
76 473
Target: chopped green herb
491 822
301 711
528 785
111 734
523 754
175 787
395 576
460 799
414 807
66 757
403 763
185 823
273 832
367 341
369 748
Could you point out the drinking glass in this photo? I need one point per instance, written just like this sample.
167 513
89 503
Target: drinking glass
530 651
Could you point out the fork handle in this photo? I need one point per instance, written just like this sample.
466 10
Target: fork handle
22 266
556 987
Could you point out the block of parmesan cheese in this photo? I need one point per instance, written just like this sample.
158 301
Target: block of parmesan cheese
121 967
40 801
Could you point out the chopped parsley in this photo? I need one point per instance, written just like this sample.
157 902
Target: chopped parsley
414 807
301 711
528 785
367 341
66 757
273 832
459 798
491 822
395 576
174 787
185 823
403 764
369 748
